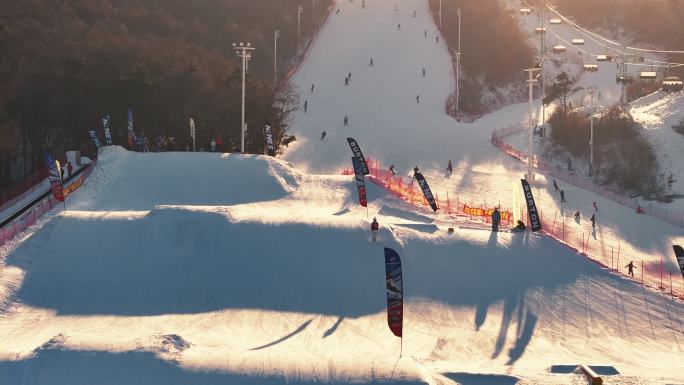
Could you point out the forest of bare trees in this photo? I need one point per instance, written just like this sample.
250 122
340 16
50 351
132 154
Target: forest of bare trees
65 64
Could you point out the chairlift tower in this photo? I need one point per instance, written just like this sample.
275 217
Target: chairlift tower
530 155
299 28
244 51
458 63
592 89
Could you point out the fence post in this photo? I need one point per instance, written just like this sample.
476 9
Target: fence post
671 283
611 257
661 273
642 272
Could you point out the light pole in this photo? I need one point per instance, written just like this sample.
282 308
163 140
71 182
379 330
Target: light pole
530 83
458 62
591 125
245 52
276 35
440 13
299 29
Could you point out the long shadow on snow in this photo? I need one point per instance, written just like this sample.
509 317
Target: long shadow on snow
179 261
68 367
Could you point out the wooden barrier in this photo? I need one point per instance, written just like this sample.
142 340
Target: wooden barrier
595 379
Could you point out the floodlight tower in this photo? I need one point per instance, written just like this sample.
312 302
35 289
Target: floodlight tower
244 51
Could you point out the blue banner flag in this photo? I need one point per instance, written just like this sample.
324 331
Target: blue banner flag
395 291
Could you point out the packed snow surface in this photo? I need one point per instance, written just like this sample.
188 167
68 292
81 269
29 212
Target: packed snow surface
209 268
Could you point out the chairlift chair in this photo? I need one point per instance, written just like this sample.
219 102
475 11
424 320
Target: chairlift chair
540 30
559 49
590 67
624 78
672 84
578 41
648 75
555 21
525 11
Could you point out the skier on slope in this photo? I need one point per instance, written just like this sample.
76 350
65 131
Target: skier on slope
496 219
577 217
399 27
415 171
423 71
323 134
593 220
555 185
374 229
70 168
595 207
346 81
312 87
418 98
391 169
306 105
450 168
425 33
630 268
371 62
349 76
437 39
346 120
562 196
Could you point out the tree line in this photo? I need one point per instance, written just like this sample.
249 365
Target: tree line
494 51
66 64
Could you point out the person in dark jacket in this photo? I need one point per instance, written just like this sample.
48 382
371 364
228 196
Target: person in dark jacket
374 229
496 219
391 169
555 185
593 220
520 226
450 168
630 268
562 194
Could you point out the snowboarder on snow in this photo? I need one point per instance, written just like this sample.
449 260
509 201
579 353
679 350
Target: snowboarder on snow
374 229
520 226
346 120
630 268
595 207
346 81
323 134
417 98
450 168
555 185
391 169
415 171
371 62
593 220
562 194
496 218
423 71
312 88
577 217
306 105
349 76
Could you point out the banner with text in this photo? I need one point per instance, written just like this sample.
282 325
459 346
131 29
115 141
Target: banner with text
270 148
96 140
360 182
426 190
484 212
679 253
356 151
107 125
535 221
55 177
395 291
131 131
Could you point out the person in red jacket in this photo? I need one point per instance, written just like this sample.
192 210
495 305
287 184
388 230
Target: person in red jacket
70 168
219 144
374 229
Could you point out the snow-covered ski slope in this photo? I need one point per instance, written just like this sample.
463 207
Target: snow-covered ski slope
256 273
392 128
203 268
